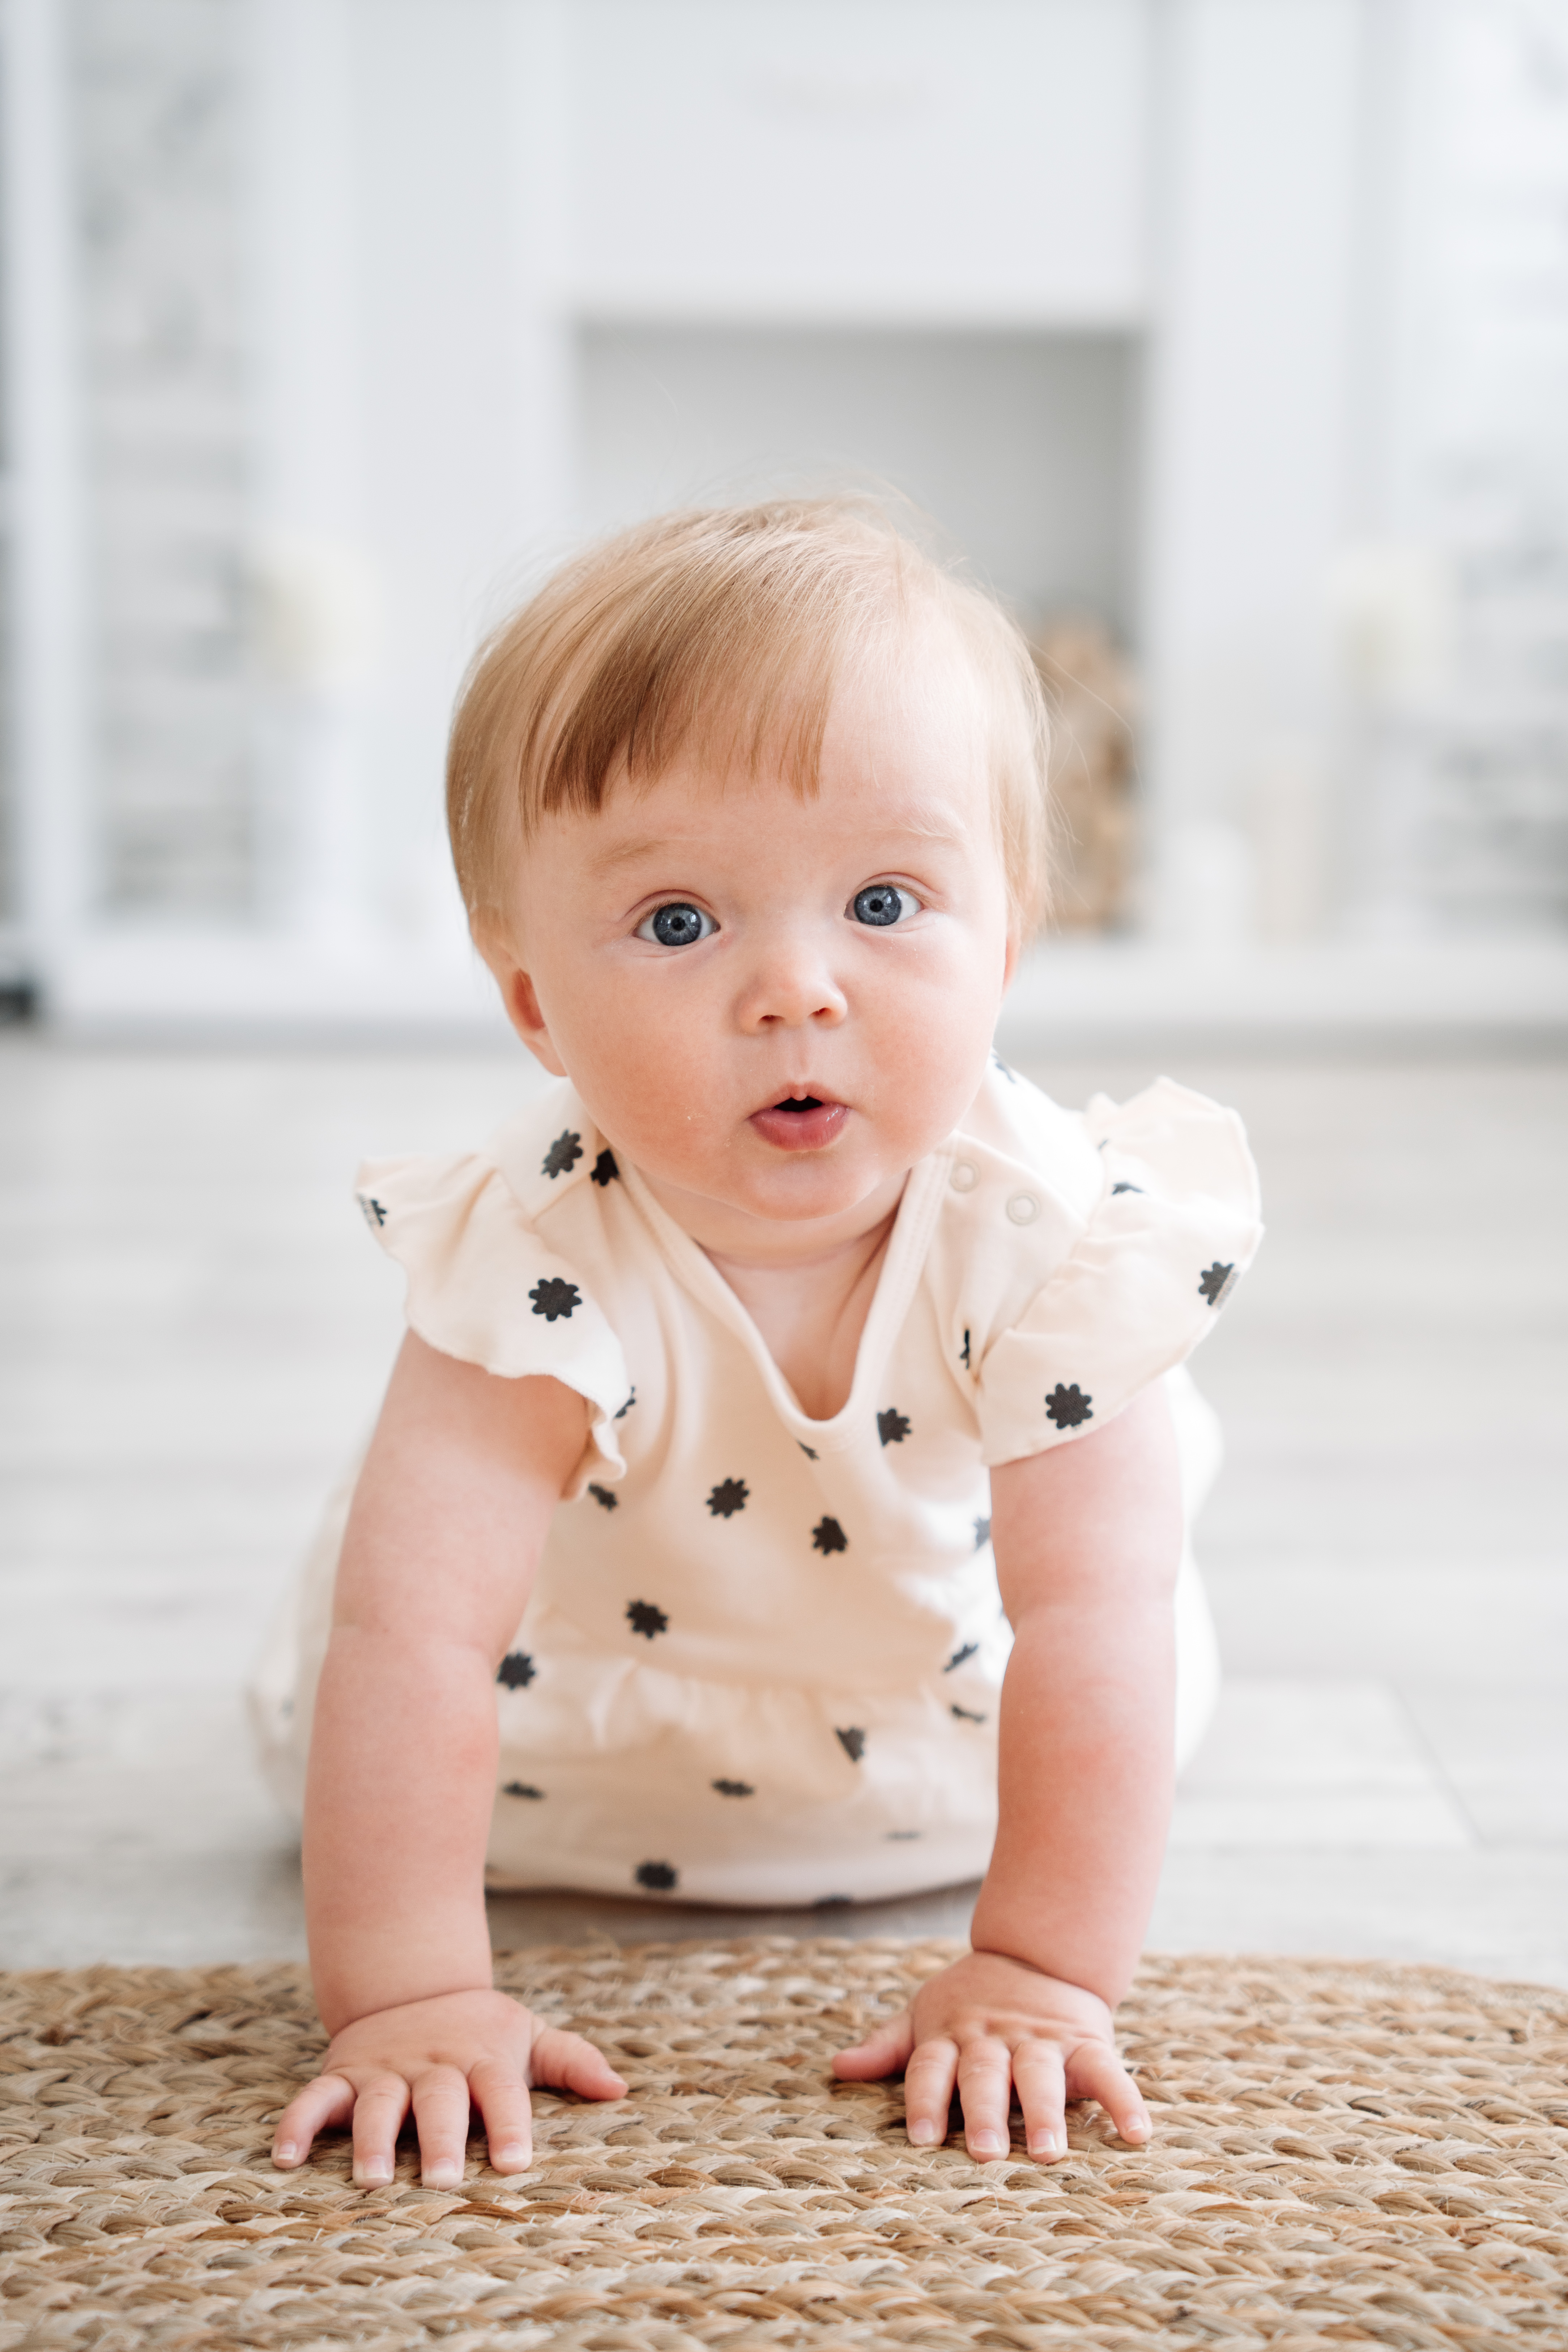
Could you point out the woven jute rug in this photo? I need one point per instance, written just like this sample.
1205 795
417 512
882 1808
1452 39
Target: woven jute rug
1344 2155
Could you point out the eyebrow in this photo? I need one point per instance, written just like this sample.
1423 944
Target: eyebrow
915 824
610 860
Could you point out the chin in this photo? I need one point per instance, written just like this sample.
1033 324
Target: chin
814 1193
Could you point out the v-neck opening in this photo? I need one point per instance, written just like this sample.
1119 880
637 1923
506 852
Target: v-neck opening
902 1261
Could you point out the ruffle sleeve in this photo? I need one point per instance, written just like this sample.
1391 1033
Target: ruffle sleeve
483 1286
1175 1226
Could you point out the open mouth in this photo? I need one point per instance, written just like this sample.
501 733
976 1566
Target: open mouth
800 1122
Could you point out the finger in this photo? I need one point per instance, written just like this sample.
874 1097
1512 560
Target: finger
928 2091
1038 2072
569 2064
1095 2071
500 2095
379 2109
985 2087
441 2119
886 2050
328 2100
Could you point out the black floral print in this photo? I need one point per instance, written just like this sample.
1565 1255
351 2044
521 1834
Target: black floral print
1125 1188
892 1428
516 1670
852 1741
555 1299
1069 1407
646 1618
997 1063
604 1170
964 1357
1213 1284
563 1155
981 1534
520 1789
605 1497
969 1650
809 1451
728 1496
626 1408
733 1787
374 1213
659 1876
964 1715
828 1536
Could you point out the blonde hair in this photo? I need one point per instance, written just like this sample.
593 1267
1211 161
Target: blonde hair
734 625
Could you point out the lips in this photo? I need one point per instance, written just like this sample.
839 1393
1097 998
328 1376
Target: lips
800 1122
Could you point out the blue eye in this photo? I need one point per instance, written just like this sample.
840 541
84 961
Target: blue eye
882 903
676 925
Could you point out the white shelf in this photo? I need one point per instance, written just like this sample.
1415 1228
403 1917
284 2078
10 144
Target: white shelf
132 983
1336 990
129 983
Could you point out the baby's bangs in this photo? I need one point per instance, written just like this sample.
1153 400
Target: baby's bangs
737 645
730 632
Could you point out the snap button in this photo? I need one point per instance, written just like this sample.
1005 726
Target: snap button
965 1177
1022 1208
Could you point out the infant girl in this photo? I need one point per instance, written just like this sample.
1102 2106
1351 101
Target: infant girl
781 1495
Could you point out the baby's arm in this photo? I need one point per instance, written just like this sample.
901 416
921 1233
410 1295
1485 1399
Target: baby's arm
1088 1539
448 1519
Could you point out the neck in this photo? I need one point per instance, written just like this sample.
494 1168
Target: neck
843 1260
739 1242
808 1298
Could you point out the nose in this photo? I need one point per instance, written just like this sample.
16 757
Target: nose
790 985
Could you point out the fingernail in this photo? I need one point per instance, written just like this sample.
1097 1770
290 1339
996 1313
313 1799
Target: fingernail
1046 2144
444 2175
371 2176
284 2152
513 2158
922 2132
986 2144
1135 2127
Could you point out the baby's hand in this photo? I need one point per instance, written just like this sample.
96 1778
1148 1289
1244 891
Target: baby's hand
437 2056
990 2022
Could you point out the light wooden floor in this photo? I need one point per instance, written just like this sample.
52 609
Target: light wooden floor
194 1330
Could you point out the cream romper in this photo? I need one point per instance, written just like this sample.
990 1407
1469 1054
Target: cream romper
763 1655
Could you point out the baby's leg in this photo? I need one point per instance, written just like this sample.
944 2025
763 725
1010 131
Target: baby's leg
1197 1650
281 1693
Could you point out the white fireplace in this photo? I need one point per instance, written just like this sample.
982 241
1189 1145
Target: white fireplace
1100 284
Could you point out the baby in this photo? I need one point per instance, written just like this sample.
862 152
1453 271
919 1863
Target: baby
780 1495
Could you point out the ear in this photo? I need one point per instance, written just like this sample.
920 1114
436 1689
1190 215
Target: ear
494 941
1010 959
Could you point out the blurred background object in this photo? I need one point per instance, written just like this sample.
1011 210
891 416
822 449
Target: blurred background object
1093 703
1233 333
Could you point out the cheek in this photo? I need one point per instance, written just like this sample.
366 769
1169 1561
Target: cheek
931 1044
632 1049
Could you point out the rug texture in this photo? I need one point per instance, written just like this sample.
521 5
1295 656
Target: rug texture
1344 2155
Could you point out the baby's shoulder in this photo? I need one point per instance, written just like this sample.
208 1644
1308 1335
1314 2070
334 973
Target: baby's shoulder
1181 1140
550 1151
1031 1185
1013 1129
